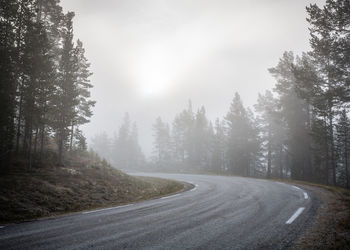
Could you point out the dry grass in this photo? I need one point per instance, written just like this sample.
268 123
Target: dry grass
331 229
77 186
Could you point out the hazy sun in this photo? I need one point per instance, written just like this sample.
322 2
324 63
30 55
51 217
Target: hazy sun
153 72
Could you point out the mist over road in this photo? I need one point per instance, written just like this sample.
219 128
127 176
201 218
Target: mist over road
220 212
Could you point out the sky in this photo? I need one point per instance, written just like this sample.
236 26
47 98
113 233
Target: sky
149 57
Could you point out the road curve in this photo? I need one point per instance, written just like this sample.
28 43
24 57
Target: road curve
219 213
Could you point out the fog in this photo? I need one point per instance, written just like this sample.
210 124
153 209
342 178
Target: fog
150 57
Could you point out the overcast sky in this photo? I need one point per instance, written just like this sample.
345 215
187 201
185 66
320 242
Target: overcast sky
149 57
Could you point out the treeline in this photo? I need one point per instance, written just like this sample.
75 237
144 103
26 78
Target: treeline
122 150
300 130
193 143
45 86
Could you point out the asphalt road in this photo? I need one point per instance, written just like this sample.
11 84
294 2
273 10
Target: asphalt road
219 213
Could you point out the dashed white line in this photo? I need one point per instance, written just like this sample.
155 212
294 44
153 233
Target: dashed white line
105 209
296 187
171 196
295 215
304 193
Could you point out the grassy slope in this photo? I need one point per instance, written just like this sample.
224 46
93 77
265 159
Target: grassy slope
79 185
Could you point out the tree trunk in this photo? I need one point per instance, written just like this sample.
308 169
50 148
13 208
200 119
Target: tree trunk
19 123
60 147
346 159
269 155
30 148
36 140
42 135
281 161
326 152
25 137
332 149
71 138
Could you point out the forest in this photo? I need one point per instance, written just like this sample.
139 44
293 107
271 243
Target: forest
45 86
299 130
227 124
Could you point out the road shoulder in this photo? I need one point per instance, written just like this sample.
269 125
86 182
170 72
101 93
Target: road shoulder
331 227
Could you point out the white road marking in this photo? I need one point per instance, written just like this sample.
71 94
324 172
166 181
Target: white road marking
171 196
305 194
295 215
2 227
195 187
105 209
296 187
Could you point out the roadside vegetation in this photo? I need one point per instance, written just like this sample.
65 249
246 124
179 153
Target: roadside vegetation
332 224
82 183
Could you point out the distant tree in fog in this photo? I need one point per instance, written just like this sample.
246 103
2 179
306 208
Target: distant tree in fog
162 142
238 126
101 144
218 146
295 115
272 132
123 151
182 135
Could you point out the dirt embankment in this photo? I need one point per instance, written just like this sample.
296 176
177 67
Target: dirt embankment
79 185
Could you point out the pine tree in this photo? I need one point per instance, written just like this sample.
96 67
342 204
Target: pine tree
8 81
122 143
219 147
238 133
101 144
295 114
67 90
266 106
200 140
83 109
343 143
44 78
162 142
183 136
37 86
136 157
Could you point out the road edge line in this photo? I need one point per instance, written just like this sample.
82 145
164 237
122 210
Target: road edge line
295 215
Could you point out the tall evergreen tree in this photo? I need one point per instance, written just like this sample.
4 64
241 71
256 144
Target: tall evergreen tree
238 133
83 109
201 141
183 135
219 147
8 82
67 90
296 114
162 142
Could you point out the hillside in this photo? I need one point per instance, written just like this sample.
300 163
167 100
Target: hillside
82 183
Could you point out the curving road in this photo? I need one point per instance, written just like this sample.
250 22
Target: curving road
219 213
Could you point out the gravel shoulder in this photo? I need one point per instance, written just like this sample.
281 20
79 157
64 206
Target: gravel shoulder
331 228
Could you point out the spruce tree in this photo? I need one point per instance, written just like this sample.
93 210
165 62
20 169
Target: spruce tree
67 91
